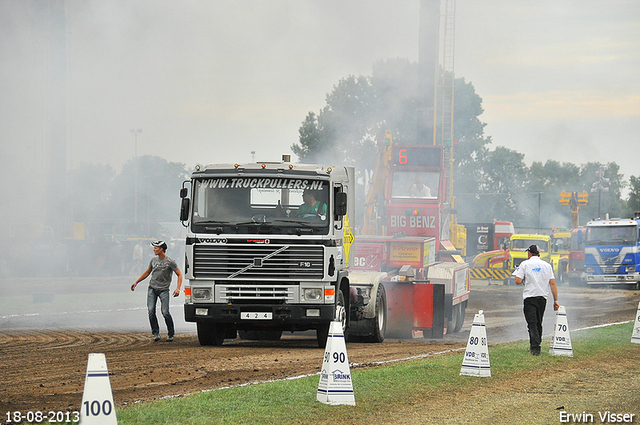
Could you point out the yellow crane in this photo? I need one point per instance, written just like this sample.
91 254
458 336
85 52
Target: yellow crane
574 200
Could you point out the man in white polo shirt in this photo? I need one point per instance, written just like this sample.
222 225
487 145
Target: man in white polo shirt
537 277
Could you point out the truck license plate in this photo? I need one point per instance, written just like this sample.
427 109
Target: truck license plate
609 278
261 315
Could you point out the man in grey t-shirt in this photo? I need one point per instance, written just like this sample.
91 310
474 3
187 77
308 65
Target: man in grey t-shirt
160 268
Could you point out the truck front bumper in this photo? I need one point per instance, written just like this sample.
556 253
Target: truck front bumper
251 314
613 279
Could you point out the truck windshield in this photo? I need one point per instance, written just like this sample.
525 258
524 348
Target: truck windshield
562 243
523 244
612 235
415 184
260 205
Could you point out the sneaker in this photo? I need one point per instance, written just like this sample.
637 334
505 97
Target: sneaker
156 338
170 339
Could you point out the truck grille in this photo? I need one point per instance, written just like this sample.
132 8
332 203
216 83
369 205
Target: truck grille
265 262
257 293
517 261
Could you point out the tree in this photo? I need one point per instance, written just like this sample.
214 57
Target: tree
360 109
546 182
311 140
159 183
607 201
91 192
488 184
503 173
471 152
634 194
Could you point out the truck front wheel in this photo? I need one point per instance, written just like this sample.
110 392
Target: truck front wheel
378 324
210 333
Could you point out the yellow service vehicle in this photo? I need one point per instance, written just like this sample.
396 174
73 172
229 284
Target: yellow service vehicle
518 245
560 250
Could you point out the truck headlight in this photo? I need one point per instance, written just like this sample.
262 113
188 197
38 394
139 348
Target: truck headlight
201 293
589 270
313 294
630 269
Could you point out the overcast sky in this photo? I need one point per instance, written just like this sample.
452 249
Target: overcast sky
212 80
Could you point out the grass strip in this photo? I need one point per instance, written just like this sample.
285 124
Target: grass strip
382 392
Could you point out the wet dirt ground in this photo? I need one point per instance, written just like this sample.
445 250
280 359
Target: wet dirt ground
43 367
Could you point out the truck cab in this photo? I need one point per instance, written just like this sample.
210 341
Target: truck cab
408 243
612 252
518 245
267 249
560 250
576 257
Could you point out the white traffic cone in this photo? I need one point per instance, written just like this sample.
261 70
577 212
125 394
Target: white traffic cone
635 337
561 338
476 357
97 399
335 385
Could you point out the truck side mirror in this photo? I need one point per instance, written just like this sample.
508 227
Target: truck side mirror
341 204
184 209
184 205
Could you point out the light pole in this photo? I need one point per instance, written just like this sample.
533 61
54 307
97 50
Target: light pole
148 182
135 209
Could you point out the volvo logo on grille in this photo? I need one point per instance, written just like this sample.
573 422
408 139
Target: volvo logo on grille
257 262
613 250
212 240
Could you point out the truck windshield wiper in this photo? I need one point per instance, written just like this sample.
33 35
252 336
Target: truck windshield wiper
252 223
212 222
302 223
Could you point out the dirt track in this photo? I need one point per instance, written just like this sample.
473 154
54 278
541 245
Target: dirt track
44 370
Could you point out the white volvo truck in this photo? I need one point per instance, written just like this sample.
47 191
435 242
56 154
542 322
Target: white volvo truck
258 260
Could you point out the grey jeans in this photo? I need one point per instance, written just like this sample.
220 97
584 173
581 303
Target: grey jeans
152 299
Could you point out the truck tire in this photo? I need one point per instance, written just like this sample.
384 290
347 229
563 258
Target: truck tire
377 326
563 277
457 318
460 322
210 333
322 332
